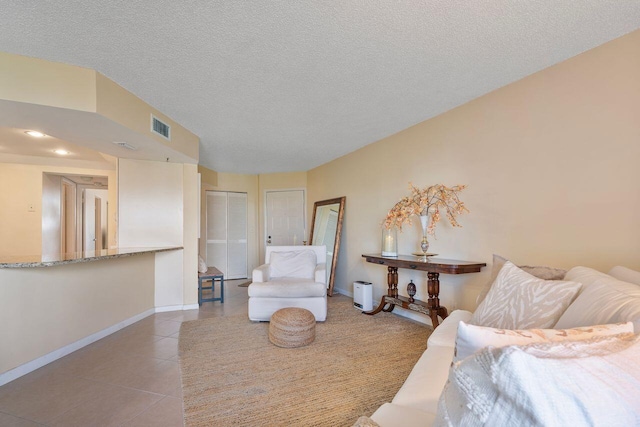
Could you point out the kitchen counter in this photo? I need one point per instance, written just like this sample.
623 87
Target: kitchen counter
49 260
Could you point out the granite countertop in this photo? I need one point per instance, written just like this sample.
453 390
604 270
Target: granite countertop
48 260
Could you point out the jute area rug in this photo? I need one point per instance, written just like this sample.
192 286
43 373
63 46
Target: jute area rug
233 376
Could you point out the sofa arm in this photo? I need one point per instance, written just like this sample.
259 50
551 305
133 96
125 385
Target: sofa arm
261 274
321 273
392 415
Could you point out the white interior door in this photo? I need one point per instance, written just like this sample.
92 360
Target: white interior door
285 222
98 224
237 235
217 230
90 232
227 233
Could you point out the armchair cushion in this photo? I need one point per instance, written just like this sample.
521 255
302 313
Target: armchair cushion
321 273
297 264
287 287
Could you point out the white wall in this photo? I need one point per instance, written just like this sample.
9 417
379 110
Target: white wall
151 203
158 206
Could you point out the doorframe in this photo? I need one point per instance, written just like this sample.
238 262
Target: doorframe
263 246
65 213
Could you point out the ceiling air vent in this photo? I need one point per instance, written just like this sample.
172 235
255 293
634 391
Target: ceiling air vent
160 128
125 145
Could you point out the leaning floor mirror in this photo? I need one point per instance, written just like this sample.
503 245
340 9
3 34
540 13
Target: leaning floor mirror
326 228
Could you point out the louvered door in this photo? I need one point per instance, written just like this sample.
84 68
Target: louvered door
227 233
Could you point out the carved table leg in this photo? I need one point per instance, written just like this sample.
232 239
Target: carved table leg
392 291
433 287
392 281
381 307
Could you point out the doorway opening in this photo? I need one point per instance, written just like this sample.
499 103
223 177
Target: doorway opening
75 211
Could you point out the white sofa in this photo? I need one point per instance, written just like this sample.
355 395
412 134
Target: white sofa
609 301
297 280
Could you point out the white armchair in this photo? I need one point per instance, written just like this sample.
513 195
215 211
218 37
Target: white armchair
292 276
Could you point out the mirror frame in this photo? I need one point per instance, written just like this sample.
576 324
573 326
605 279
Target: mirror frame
336 247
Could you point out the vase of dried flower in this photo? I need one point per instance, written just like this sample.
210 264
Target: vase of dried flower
424 243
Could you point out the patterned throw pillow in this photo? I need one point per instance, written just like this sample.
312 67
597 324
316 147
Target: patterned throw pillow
540 271
518 300
571 383
471 339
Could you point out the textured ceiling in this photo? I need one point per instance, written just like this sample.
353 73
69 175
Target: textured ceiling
289 85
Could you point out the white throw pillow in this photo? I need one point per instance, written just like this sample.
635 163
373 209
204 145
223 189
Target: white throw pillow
603 299
202 266
572 383
625 274
297 264
539 271
365 421
471 338
518 300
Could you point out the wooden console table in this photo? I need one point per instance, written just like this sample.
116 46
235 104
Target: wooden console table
433 267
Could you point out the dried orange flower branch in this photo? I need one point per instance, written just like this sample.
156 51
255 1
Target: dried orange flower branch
430 200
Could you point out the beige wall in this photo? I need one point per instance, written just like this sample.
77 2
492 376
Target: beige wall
121 106
190 238
62 305
158 207
21 186
208 176
36 81
552 167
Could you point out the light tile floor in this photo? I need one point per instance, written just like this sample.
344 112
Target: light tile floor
130 378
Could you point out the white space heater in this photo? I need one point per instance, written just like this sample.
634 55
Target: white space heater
363 296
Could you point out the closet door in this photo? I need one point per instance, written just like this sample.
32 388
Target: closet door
237 236
217 230
227 233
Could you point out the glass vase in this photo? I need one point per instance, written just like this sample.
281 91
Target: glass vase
424 243
390 242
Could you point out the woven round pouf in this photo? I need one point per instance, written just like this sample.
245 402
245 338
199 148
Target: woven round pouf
292 327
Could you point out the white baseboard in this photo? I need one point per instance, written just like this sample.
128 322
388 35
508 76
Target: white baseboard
177 308
343 292
61 352
168 308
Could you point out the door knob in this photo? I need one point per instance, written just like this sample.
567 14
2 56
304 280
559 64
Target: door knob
269 240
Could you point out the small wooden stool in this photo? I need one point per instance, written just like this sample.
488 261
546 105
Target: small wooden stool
214 275
292 327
